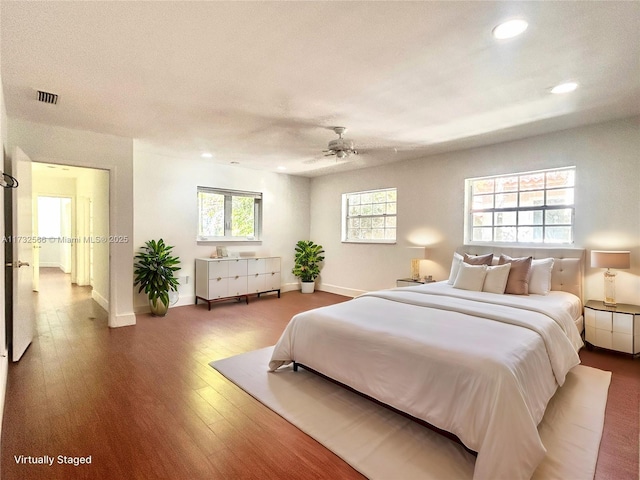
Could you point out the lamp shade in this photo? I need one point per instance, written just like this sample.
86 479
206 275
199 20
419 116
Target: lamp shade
616 259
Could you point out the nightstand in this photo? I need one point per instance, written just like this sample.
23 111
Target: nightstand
615 328
410 282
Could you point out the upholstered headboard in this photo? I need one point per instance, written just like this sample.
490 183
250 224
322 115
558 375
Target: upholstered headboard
568 266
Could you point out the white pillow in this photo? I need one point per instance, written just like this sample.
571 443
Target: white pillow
496 279
470 277
455 266
540 276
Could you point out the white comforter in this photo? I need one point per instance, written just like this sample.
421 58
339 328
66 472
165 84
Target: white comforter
469 363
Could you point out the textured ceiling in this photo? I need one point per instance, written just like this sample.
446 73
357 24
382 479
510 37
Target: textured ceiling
259 83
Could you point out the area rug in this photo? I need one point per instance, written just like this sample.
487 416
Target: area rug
382 444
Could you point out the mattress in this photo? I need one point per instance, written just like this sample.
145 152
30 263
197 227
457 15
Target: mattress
481 366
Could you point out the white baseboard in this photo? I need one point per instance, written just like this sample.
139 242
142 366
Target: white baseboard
100 300
59 266
323 287
182 301
50 265
124 320
185 300
347 292
290 287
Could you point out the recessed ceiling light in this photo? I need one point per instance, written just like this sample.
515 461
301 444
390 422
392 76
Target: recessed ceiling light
234 163
207 155
564 87
510 29
282 168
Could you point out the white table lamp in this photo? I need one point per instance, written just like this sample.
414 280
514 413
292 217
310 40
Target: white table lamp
609 260
416 262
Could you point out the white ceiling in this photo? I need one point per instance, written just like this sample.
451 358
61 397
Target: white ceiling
259 83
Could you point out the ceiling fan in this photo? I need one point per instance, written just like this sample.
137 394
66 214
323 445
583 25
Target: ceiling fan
340 147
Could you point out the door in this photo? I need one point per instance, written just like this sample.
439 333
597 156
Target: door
23 324
36 248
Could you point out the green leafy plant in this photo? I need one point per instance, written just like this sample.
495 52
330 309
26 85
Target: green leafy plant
154 271
308 257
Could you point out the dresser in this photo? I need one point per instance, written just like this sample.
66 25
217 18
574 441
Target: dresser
224 278
615 328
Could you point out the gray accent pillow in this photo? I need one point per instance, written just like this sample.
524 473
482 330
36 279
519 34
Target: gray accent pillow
518 281
478 259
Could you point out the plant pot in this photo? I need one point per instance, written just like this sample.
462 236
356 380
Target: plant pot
307 287
160 310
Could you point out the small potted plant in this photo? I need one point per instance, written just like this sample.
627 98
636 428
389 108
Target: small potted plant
154 272
308 257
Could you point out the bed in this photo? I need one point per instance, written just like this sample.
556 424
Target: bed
478 364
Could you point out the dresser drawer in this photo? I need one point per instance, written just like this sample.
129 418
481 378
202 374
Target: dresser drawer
218 288
604 320
256 265
237 268
622 342
218 269
623 323
604 338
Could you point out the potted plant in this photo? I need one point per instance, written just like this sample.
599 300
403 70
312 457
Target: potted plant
308 257
154 272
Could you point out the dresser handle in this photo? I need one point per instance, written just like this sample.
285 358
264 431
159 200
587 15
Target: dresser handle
219 278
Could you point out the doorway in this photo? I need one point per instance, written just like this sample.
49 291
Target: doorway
52 221
71 223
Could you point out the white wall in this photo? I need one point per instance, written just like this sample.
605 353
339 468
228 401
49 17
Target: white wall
431 203
50 144
97 191
165 199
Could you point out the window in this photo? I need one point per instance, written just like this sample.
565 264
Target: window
229 215
369 217
531 207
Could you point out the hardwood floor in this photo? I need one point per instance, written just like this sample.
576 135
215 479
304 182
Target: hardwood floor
143 402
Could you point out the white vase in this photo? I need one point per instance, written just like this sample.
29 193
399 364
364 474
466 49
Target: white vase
307 287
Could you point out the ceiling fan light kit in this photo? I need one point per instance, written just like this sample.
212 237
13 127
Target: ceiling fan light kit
340 147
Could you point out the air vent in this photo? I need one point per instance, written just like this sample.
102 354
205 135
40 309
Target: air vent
47 97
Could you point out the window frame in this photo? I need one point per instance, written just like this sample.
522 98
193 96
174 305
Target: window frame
470 211
228 211
345 217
